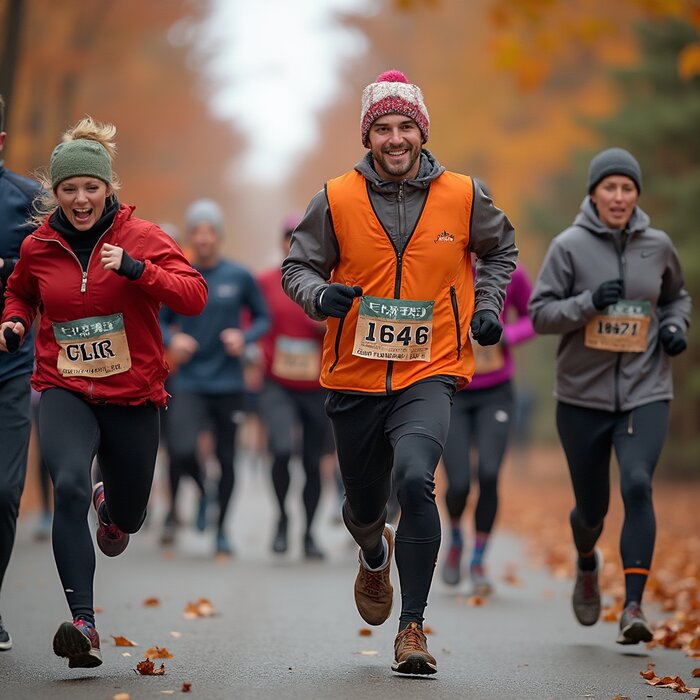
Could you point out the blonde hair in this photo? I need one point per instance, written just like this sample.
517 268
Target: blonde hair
45 202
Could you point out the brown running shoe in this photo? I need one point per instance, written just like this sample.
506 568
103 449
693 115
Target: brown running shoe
374 594
411 652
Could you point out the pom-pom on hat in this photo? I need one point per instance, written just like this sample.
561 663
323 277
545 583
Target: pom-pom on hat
391 93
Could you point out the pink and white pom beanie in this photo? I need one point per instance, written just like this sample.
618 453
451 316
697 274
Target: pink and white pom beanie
391 93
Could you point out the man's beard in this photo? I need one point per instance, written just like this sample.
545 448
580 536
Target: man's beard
398 169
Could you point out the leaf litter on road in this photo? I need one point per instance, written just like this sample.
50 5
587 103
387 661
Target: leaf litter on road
120 641
200 608
158 653
148 668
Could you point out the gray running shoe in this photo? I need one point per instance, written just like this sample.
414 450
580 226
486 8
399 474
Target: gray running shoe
634 627
5 639
451 570
481 583
586 597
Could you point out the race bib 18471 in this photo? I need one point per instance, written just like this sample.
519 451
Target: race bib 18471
394 329
92 347
622 327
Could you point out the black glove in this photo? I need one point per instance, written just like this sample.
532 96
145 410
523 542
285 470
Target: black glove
672 340
336 299
11 339
486 328
130 268
609 292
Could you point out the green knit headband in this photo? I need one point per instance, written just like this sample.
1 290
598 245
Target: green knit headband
82 157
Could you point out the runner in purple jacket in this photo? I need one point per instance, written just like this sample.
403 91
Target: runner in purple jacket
481 417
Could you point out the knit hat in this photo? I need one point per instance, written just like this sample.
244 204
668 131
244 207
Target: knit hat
205 211
614 161
391 93
80 158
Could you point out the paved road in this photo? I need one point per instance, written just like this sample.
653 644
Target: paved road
287 629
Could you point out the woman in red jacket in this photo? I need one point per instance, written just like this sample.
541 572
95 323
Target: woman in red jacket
99 276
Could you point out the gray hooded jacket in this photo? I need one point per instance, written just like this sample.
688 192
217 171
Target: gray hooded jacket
314 249
578 261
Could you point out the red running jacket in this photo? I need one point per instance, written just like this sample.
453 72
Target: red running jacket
287 321
49 278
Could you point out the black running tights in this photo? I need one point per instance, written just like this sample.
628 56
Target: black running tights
588 436
71 432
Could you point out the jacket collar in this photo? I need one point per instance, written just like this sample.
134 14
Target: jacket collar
429 170
47 231
588 218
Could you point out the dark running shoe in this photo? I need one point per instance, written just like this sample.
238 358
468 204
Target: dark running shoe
451 571
110 539
311 550
279 544
586 598
411 654
5 639
78 642
634 627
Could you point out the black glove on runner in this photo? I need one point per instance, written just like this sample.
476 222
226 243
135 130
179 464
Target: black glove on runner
486 328
336 299
130 268
672 340
609 292
11 339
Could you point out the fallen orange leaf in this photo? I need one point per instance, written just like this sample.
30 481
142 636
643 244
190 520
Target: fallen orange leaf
151 602
364 632
622 697
148 668
696 673
476 600
158 653
428 630
120 641
201 608
186 687
121 696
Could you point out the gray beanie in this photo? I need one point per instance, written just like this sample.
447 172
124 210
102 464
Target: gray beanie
614 161
80 158
205 211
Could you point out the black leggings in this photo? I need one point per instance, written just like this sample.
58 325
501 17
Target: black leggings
588 436
71 432
401 433
283 411
190 414
480 418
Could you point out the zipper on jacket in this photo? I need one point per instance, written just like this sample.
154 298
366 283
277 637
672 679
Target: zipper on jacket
399 262
630 423
621 261
337 344
455 311
84 273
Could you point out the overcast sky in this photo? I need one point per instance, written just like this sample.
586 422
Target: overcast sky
274 64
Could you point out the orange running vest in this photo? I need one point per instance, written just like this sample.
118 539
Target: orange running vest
435 265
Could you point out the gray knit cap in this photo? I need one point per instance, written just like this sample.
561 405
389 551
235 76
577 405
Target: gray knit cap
614 161
205 211
80 158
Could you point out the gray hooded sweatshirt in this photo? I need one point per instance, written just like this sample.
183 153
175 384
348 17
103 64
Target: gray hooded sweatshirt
314 250
580 259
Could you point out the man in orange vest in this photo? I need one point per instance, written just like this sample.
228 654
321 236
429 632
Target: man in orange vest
383 253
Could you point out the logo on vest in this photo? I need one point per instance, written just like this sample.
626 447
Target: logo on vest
445 237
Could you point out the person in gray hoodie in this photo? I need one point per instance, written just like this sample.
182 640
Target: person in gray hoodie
612 287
